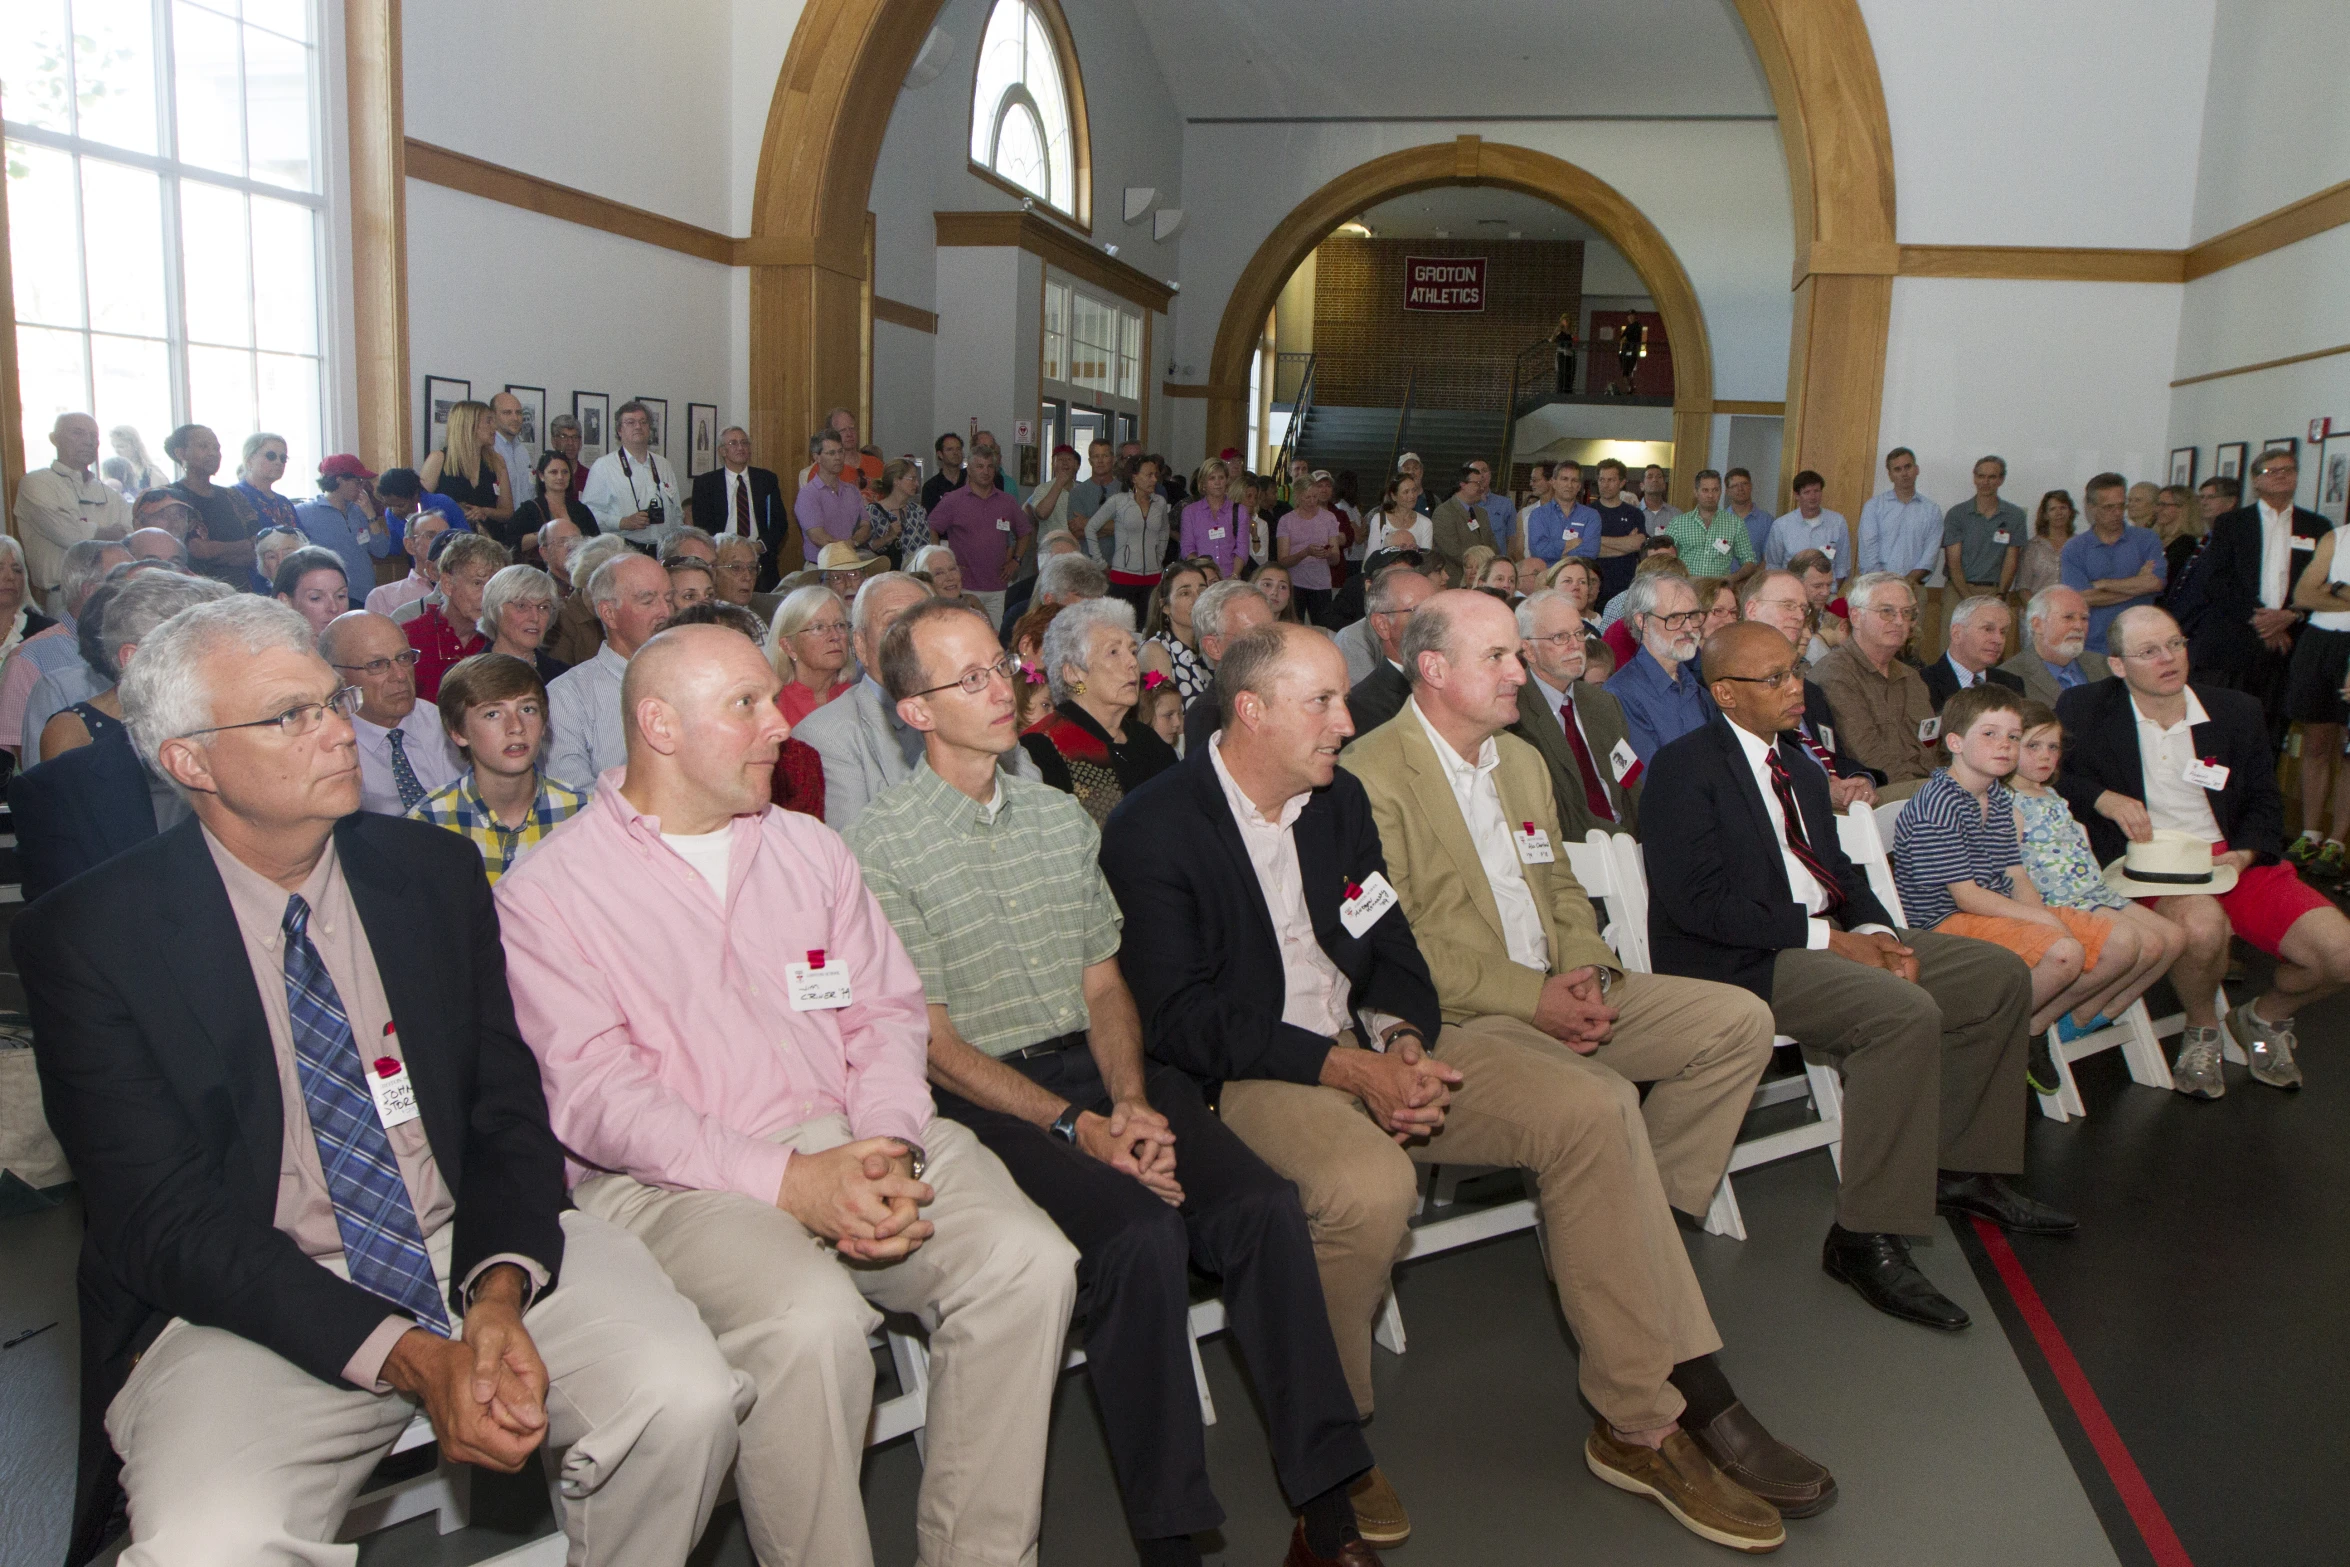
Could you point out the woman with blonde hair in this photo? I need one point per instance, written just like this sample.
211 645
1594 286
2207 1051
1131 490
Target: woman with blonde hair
808 643
2178 522
130 469
259 467
468 469
1474 560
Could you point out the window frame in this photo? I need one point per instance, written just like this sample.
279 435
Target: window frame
1109 401
1079 215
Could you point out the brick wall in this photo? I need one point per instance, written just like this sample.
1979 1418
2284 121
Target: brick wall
1366 340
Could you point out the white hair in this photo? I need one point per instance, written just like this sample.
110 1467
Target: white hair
1528 607
145 600
2037 607
927 554
1972 605
1069 638
261 542
84 564
1215 601
799 608
1640 597
15 552
861 608
1861 592
590 553
603 586
512 585
1069 577
165 694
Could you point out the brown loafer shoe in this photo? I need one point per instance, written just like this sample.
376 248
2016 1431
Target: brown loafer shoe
1760 1462
1685 1483
1356 1553
1379 1511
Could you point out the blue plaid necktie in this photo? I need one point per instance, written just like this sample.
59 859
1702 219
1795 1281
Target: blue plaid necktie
382 1243
403 776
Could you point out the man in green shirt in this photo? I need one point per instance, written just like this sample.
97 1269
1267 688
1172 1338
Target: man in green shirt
1711 542
1982 541
1035 1044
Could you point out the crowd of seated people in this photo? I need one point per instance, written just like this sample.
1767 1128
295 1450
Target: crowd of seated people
1136 884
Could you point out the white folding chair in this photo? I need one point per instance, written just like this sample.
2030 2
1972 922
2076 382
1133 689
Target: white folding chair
445 1491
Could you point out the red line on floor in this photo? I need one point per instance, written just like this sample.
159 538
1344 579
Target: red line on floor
2137 1496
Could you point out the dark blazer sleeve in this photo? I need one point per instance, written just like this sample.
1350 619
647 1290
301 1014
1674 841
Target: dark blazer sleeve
1690 876
79 810
2255 810
1817 712
1941 684
705 500
1185 916
2013 682
2094 729
1398 981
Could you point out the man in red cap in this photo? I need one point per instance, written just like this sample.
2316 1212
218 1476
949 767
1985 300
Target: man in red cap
345 519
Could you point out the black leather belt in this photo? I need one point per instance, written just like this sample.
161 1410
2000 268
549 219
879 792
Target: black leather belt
1046 1048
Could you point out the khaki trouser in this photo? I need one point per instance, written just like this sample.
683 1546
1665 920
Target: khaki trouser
1528 1101
233 1455
994 1287
1933 1072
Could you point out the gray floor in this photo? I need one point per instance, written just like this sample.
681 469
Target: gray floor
1942 1452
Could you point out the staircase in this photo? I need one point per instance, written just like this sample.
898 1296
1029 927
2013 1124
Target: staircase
1340 438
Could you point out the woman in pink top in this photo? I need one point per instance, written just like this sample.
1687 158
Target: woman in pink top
809 646
1215 525
1310 542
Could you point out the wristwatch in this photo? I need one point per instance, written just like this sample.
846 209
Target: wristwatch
1607 980
1065 1125
920 1156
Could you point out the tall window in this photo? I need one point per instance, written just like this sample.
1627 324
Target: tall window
1027 118
165 197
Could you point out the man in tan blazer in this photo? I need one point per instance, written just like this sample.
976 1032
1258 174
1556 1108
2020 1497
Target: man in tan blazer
1597 785
1473 846
2056 640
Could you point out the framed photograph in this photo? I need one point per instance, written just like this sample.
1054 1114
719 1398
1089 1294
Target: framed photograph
658 407
2333 480
593 410
2290 445
2227 460
441 393
2182 465
701 439
534 414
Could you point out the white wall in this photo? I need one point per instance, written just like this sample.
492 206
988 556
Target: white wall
497 294
980 345
2266 54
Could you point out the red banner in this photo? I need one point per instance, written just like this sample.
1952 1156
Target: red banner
1444 283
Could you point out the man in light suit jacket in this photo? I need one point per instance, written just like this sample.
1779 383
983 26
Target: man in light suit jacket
1597 785
1474 847
2056 655
735 497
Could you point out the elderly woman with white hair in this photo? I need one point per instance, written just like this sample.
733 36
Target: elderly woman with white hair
808 643
946 576
517 610
270 548
578 634
1088 744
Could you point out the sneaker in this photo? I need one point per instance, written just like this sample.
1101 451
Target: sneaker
2268 1045
2040 1067
2303 850
1685 1483
2328 867
2196 1072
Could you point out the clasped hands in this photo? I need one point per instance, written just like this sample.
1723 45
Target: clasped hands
485 1392
1574 1011
1404 1087
861 1196
1875 949
1135 1140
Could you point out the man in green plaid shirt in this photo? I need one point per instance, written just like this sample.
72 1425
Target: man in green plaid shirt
495 709
1035 1044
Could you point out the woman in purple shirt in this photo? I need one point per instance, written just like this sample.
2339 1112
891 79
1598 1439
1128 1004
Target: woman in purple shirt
1215 526
1309 542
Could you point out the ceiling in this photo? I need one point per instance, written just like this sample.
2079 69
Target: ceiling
1395 59
1473 212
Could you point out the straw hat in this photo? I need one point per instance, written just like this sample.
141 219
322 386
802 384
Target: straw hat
843 557
2170 864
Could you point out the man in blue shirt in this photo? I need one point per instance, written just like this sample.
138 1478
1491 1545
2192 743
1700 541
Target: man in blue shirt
403 495
1623 527
1659 690
1900 530
2116 563
1563 525
343 520
1501 512
1738 486
1811 526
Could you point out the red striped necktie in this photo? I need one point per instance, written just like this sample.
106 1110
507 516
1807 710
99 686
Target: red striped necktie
1798 843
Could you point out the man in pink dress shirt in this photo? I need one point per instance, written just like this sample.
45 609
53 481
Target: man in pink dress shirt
734 1045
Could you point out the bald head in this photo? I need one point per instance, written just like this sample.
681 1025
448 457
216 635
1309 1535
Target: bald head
1743 647
156 544
76 438
698 708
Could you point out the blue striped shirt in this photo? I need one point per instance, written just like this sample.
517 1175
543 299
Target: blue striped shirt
1943 836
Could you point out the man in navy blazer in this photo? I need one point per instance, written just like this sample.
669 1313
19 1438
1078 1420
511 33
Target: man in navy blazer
2146 750
1753 888
81 809
2243 630
321 1191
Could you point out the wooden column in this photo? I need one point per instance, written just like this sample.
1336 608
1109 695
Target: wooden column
379 230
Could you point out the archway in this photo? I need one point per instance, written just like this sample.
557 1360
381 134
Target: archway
847 59
1468 160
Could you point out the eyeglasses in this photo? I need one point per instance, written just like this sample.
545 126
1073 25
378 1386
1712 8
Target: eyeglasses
1777 677
974 681
1556 639
377 668
2174 646
1686 620
1888 613
298 721
824 628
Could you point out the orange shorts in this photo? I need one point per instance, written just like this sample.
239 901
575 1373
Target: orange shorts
2030 940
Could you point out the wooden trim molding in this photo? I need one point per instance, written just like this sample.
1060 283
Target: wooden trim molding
379 229
2312 214
2265 364
2044 263
1738 406
912 317
11 395
1057 246
476 177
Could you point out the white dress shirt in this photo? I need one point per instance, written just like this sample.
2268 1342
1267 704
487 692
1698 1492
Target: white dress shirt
517 457
1474 791
584 734
2163 755
736 492
611 494
2276 556
434 760
1966 677
1314 990
1801 883
1561 709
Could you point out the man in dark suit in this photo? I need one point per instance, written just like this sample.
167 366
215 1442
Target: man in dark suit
2243 631
1753 888
1390 600
276 1045
736 498
81 809
1978 638
1777 599
1594 776
2149 753
1264 946
1222 613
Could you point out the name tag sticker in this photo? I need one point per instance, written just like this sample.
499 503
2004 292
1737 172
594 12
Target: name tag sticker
817 986
2000 537
1721 546
1929 731
395 1095
1365 902
1828 550
2207 774
1003 524
1215 533
1624 762
1533 845
1827 738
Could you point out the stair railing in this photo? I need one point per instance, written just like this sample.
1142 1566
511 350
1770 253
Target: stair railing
1403 423
1294 434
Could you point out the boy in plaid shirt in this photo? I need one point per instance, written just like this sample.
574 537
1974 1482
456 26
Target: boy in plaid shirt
495 709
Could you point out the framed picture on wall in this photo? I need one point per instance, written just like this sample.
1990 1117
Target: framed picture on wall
2182 465
441 393
2290 445
534 414
593 410
701 439
2333 479
2227 460
658 407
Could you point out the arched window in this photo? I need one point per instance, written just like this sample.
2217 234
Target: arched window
1028 107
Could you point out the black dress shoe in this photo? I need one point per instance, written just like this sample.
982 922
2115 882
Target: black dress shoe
1879 1268
1991 1197
1740 1448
